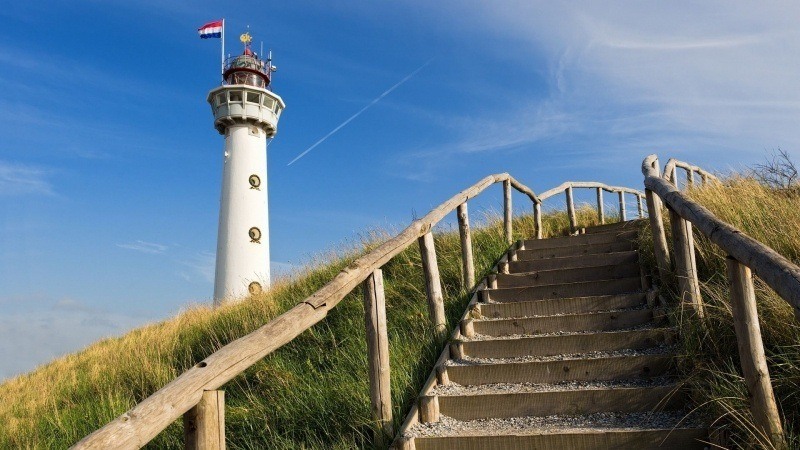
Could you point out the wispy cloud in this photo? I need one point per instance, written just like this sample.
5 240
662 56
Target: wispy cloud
370 104
145 247
201 266
640 77
21 179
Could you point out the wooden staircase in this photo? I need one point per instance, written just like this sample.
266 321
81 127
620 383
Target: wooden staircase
566 349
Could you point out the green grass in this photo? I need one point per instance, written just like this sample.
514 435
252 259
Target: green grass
310 394
710 357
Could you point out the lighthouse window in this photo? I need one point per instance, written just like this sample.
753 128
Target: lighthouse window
220 98
269 102
236 96
252 97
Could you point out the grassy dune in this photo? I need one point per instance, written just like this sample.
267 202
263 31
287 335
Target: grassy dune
310 394
710 355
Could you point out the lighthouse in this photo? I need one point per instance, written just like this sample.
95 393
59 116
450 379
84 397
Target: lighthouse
246 113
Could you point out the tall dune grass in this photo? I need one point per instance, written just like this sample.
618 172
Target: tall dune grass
710 355
310 394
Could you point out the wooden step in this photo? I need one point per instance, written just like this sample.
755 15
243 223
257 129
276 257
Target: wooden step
579 439
571 402
596 321
581 239
574 250
617 226
564 290
567 344
569 262
556 276
579 369
572 305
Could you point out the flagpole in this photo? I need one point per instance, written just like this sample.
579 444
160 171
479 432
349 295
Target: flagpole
222 55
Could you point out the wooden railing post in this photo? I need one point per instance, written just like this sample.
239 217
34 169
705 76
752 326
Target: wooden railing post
639 205
204 425
685 266
507 211
573 223
378 356
690 177
467 263
751 355
433 284
601 215
622 216
660 248
537 217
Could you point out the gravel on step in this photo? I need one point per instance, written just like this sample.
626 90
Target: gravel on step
469 361
600 422
485 337
539 316
454 389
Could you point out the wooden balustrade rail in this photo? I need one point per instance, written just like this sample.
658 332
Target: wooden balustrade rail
143 422
568 187
744 254
188 395
673 164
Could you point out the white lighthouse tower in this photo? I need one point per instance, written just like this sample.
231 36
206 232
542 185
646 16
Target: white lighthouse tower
246 112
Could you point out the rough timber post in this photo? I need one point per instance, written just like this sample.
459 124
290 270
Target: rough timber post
660 248
622 215
601 214
467 262
684 262
537 217
573 223
433 284
507 211
639 205
690 177
204 425
751 354
378 357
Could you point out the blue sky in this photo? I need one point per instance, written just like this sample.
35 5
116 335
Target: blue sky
110 167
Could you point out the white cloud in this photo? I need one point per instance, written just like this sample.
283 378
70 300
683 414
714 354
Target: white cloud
31 338
145 247
21 179
201 265
716 79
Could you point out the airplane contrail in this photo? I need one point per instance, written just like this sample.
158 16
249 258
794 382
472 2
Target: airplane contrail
376 100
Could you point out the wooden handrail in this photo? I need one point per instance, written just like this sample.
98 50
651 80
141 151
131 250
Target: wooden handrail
143 422
672 164
589 185
744 254
777 271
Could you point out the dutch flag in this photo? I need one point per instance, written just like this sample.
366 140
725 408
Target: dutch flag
211 30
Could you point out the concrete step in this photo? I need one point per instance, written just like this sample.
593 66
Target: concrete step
596 321
572 305
564 290
569 262
566 344
617 226
571 402
555 371
581 239
575 250
668 438
572 275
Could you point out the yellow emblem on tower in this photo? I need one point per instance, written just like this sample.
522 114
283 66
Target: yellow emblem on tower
246 38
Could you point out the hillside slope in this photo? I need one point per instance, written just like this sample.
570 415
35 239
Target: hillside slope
312 393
